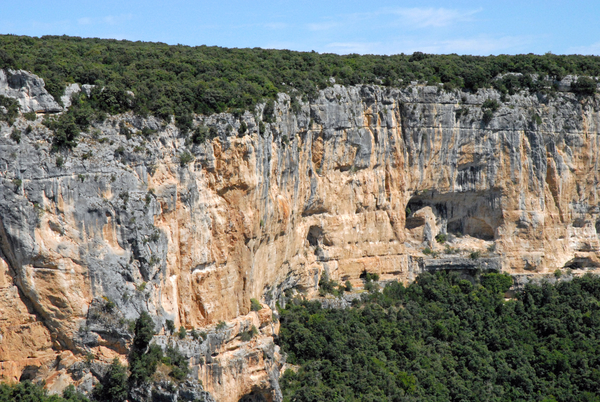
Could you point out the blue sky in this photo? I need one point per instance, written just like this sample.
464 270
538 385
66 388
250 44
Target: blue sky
382 27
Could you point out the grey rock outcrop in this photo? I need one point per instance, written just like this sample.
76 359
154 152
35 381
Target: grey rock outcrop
28 89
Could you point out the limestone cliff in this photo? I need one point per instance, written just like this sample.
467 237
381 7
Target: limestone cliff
360 179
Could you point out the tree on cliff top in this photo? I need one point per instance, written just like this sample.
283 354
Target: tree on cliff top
181 80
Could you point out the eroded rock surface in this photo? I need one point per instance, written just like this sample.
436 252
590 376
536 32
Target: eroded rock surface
361 179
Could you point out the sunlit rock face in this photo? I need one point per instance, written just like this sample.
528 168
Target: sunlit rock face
361 179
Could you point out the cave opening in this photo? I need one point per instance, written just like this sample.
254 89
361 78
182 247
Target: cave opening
315 235
255 396
476 214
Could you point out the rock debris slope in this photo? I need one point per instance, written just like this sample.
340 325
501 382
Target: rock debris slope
361 179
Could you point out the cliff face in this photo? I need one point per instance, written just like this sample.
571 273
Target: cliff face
360 179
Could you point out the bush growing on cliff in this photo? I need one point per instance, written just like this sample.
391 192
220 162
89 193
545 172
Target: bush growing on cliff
327 285
584 86
143 358
182 332
9 109
170 326
255 305
113 386
443 338
441 238
179 364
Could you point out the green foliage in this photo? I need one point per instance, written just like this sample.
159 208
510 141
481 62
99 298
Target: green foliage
185 158
113 386
441 238
255 305
475 255
181 80
444 338
348 286
143 358
202 134
248 335
15 135
496 283
427 251
327 285
30 116
182 332
109 306
369 277
202 335
198 335
170 326
221 325
178 363
27 392
463 111
69 125
243 128
120 151
584 86
491 104
489 107
11 107
269 112
71 395
124 130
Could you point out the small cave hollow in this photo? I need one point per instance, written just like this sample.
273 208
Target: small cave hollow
29 373
254 396
315 235
581 263
476 214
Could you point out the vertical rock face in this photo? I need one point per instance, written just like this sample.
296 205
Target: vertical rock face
360 179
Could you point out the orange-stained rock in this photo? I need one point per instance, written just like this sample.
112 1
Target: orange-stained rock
362 179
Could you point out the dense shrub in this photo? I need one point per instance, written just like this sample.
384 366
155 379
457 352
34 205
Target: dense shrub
444 338
255 305
584 86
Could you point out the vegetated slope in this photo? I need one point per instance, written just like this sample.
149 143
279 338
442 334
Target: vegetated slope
28 392
178 80
444 339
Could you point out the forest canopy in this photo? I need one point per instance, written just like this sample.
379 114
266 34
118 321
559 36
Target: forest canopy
444 338
179 80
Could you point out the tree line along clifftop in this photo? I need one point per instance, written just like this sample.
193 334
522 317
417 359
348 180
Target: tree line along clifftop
180 80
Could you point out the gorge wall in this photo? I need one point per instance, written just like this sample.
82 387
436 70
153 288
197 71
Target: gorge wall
361 179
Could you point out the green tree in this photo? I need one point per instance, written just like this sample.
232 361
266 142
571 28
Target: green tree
113 386
143 358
